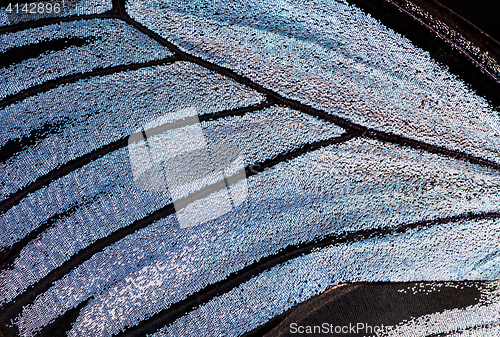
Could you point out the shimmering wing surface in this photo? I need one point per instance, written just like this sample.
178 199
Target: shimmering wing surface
365 159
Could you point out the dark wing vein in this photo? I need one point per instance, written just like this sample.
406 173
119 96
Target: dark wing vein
10 254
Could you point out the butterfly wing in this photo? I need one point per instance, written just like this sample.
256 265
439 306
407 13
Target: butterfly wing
366 160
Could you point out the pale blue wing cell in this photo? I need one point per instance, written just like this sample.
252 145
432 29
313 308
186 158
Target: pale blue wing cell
94 44
268 133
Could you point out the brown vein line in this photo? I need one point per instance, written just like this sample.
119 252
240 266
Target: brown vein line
195 300
342 122
51 84
260 167
10 310
448 41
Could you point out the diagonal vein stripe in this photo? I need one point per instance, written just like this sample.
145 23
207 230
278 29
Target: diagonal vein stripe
79 162
51 84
